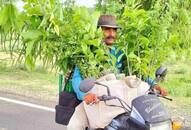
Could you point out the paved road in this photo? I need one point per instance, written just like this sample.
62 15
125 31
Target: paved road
19 117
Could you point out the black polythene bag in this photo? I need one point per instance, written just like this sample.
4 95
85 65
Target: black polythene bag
66 107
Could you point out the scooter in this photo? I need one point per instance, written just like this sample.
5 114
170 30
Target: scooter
146 112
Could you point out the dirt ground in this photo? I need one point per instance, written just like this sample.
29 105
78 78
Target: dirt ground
180 110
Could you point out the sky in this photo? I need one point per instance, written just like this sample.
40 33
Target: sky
87 3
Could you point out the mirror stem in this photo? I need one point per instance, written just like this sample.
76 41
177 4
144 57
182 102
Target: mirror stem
108 91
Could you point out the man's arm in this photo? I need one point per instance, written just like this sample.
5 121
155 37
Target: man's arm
76 80
154 85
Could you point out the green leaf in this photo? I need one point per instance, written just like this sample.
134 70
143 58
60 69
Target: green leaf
31 35
56 28
29 62
29 48
8 17
113 59
52 3
84 48
144 41
120 57
132 55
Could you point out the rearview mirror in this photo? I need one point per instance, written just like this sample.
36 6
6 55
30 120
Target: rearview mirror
87 84
160 73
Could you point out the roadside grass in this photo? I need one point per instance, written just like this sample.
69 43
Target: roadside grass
178 83
38 84
42 82
178 79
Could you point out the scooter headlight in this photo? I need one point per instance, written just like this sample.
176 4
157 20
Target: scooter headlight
161 126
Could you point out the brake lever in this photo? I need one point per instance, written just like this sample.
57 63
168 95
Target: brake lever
170 99
159 95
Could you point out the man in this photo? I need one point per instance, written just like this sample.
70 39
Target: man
109 27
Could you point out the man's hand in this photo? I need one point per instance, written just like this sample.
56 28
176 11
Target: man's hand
91 99
162 91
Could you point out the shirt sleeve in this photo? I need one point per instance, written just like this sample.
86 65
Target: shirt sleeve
76 80
150 81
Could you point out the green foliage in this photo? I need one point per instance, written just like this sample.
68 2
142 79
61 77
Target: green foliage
64 35
152 31
136 39
8 17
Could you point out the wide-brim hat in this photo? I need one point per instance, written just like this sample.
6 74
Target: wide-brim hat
107 21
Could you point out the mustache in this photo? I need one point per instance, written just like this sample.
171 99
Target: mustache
110 37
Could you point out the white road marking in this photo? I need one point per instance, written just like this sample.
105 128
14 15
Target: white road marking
27 104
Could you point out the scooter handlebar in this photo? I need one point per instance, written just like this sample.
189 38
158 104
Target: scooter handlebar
106 98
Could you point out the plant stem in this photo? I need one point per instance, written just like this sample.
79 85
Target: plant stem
4 43
10 42
128 62
16 41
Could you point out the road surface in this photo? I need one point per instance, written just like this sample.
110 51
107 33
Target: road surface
14 116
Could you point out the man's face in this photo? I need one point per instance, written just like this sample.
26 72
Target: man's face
109 35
